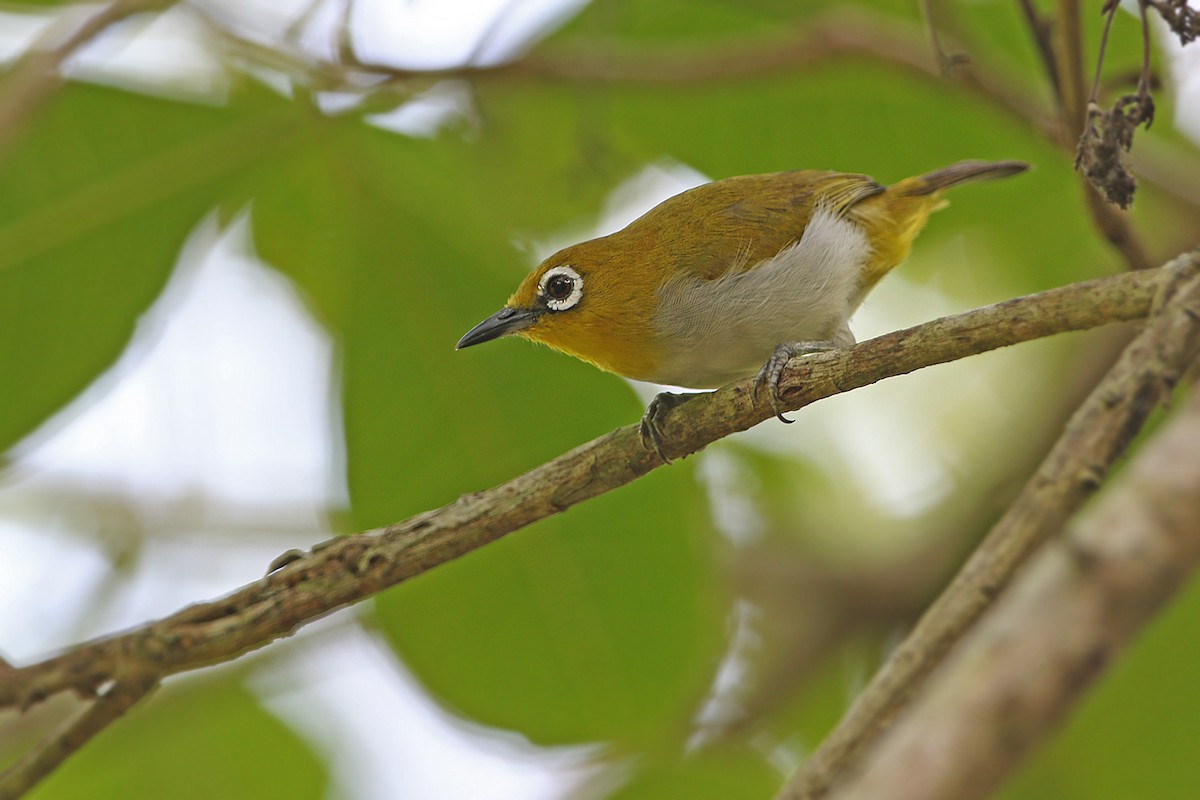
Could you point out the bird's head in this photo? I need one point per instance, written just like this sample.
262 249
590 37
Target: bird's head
594 300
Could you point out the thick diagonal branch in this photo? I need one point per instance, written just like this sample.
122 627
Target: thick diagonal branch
1064 621
100 712
1095 437
349 569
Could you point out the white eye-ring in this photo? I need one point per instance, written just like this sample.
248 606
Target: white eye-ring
562 288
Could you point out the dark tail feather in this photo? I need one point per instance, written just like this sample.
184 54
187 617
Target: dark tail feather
962 172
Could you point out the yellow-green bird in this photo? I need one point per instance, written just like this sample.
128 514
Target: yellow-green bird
728 279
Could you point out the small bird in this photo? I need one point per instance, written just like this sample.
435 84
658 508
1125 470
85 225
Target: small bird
729 279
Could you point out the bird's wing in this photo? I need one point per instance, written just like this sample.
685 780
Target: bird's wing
759 215
840 192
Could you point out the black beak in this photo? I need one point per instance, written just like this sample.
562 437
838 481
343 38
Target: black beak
502 323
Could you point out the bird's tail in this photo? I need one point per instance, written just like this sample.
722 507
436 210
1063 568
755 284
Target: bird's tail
962 172
907 205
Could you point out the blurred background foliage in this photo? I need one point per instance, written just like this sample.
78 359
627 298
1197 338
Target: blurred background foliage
693 634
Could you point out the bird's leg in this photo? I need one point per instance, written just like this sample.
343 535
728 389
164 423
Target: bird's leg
768 377
649 429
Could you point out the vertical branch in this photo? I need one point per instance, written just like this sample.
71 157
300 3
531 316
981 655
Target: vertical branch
947 62
1111 223
1116 229
1044 39
1064 70
1110 12
345 35
1070 66
1143 88
1108 135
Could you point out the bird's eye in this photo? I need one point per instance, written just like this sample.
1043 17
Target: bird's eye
561 288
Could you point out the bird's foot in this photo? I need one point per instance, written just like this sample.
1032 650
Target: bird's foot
649 428
768 377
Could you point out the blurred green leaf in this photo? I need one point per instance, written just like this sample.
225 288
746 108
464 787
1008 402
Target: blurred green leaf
605 623
707 775
598 625
200 740
97 200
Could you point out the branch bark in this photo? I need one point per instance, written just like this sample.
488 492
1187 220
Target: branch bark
1079 604
1096 436
348 569
43 759
118 670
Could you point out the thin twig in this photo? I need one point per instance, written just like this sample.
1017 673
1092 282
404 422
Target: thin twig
1110 12
1095 437
833 35
1012 681
43 759
38 73
345 33
947 62
1181 17
294 32
836 35
1143 86
489 34
348 569
1043 38
1109 221
1114 226
1070 66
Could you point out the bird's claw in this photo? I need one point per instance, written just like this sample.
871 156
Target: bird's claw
769 376
772 372
649 429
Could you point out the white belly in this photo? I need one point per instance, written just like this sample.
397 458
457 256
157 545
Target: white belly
725 329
